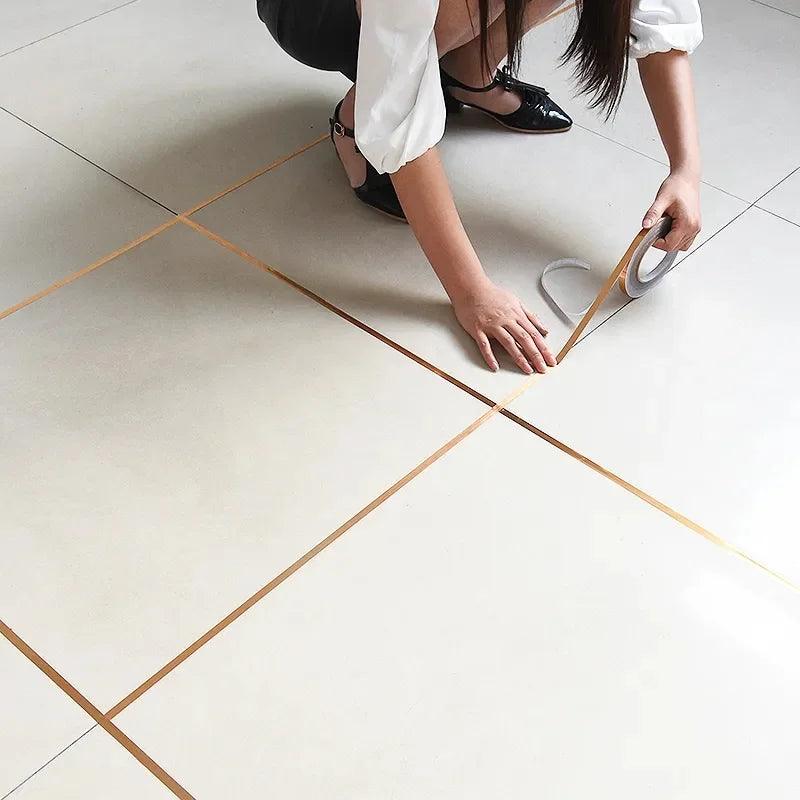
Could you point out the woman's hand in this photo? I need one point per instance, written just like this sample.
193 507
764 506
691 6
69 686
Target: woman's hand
679 198
487 312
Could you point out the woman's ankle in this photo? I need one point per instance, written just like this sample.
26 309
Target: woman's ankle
354 163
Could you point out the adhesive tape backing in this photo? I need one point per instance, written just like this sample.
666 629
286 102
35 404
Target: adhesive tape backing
631 282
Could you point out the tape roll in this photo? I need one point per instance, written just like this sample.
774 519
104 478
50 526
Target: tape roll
630 281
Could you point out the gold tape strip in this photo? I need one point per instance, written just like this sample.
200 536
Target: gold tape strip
314 551
601 296
90 268
642 495
102 261
250 178
259 264
100 718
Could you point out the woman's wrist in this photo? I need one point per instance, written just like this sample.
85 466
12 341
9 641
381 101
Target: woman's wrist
463 286
688 170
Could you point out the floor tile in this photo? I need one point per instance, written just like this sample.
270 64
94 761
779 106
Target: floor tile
510 190
57 212
484 635
180 98
747 60
183 427
24 22
95 768
784 199
691 392
38 719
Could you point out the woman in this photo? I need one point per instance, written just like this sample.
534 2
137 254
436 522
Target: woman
413 60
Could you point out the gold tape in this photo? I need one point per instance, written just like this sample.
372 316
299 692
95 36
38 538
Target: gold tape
101 719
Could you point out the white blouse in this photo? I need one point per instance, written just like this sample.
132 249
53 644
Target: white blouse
399 105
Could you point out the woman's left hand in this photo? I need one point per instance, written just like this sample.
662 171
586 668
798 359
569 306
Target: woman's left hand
679 198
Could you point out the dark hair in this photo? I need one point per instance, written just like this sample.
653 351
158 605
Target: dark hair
599 46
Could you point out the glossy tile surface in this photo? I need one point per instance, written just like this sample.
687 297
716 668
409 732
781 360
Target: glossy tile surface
178 427
180 98
183 427
373 268
784 199
58 213
24 22
745 73
95 768
38 719
691 392
482 634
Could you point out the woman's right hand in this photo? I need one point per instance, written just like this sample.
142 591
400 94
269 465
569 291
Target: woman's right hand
487 312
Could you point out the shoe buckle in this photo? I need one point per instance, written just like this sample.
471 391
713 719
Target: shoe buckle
338 128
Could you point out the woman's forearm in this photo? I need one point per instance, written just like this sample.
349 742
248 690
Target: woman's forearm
668 84
428 203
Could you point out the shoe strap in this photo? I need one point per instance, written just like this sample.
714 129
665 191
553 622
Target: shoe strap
452 83
338 128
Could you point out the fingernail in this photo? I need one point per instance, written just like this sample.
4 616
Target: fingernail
648 223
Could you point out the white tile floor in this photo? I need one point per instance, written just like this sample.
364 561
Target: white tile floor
496 613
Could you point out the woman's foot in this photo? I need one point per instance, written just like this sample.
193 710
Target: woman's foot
513 103
371 188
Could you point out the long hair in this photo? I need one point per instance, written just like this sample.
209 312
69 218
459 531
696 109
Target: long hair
599 46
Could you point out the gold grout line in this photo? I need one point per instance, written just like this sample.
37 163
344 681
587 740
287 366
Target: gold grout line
185 214
244 181
103 260
100 718
90 268
264 267
642 495
314 551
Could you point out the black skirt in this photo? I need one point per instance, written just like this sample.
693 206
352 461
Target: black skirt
320 33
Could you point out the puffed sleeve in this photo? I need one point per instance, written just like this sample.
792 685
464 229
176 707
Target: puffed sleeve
658 26
400 109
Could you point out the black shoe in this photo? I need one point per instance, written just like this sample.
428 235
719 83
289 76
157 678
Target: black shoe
537 113
377 190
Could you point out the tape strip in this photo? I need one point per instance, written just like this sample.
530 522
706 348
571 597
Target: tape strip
629 279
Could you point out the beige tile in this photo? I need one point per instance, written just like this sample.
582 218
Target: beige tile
183 427
38 719
23 23
95 768
691 392
747 89
510 625
58 213
515 197
179 97
784 199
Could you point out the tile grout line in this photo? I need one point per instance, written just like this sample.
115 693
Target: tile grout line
101 719
778 216
641 494
85 158
48 762
654 159
751 205
90 268
153 231
264 267
775 8
495 409
647 498
68 28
